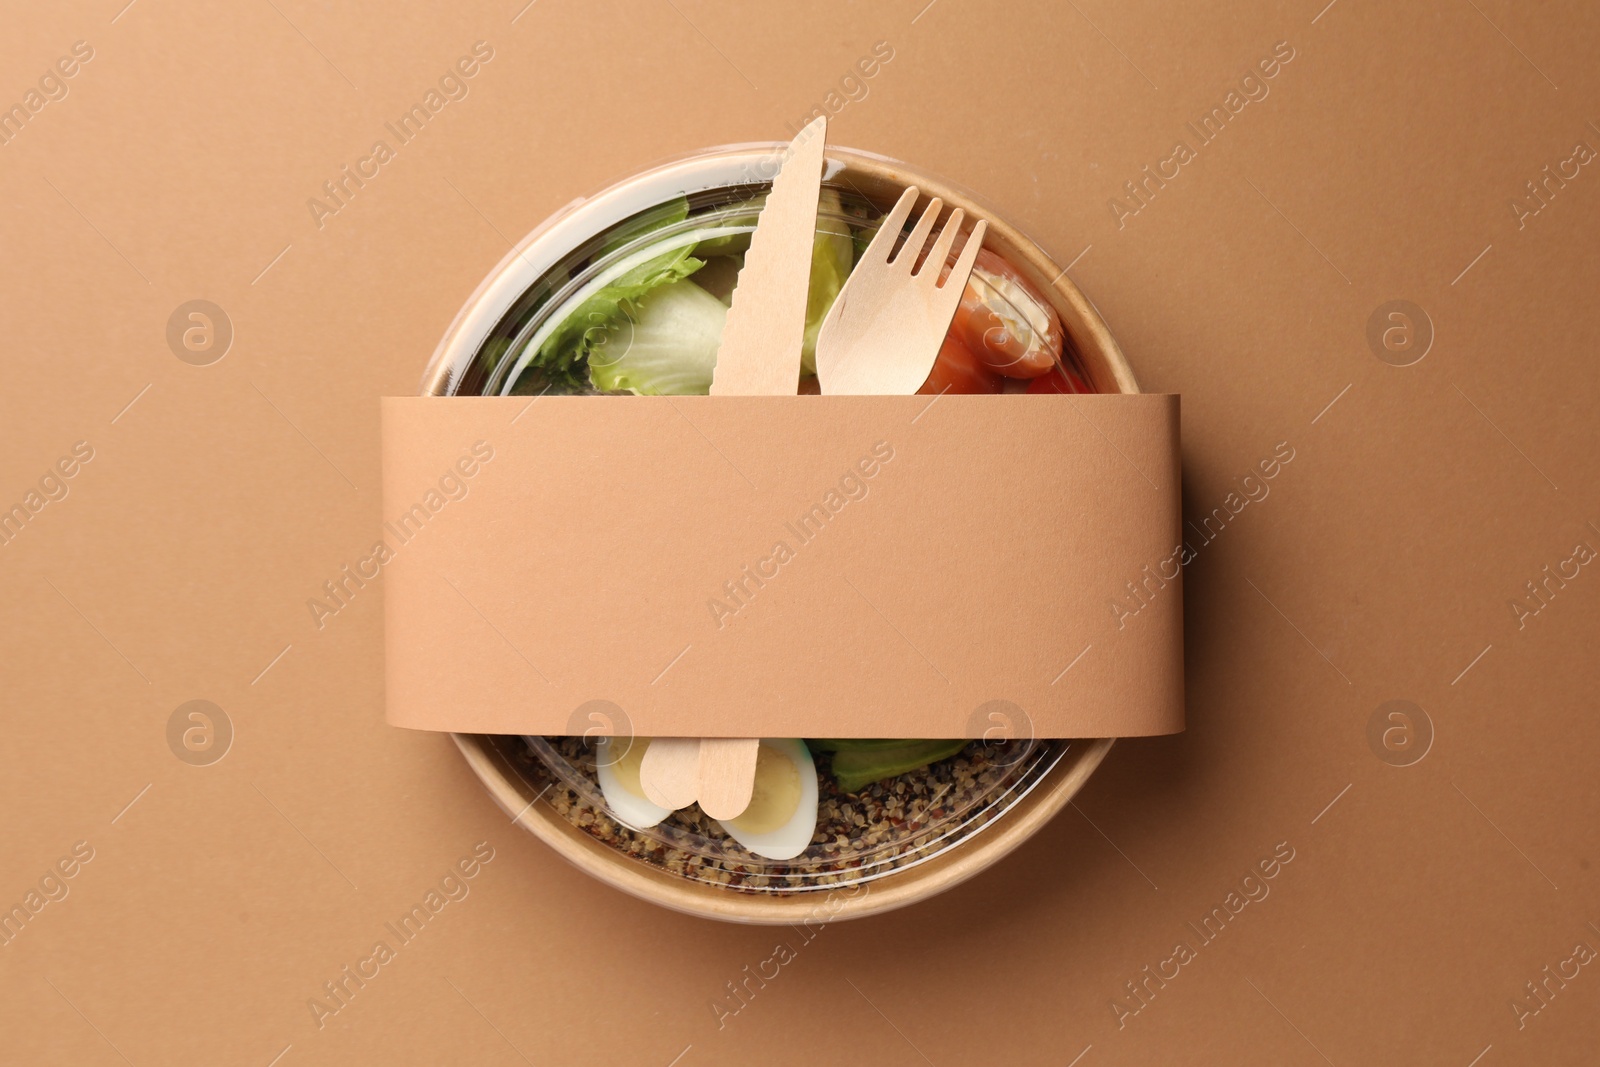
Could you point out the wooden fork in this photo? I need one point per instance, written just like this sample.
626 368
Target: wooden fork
884 329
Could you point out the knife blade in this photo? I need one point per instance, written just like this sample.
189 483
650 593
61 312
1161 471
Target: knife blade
760 350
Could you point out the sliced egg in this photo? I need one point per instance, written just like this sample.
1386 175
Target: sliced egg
618 770
1016 309
782 814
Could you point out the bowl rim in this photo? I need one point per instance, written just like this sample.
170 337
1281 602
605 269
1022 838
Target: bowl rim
515 796
878 179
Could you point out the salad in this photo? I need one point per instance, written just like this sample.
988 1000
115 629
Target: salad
640 312
648 322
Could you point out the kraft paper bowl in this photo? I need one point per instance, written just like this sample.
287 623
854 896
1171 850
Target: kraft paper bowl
502 762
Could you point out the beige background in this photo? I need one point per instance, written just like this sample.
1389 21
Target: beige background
1381 167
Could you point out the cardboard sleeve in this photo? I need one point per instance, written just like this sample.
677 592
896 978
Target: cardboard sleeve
783 566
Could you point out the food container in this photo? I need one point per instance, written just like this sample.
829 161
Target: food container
911 838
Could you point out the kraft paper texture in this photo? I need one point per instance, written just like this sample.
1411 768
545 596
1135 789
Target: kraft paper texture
1390 668
783 566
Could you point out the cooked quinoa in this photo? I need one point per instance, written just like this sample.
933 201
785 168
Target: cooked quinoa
892 823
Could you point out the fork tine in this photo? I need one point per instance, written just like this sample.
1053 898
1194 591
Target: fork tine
889 227
969 254
941 245
912 249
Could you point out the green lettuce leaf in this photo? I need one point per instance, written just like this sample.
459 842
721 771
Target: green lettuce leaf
857 763
832 256
559 362
666 345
